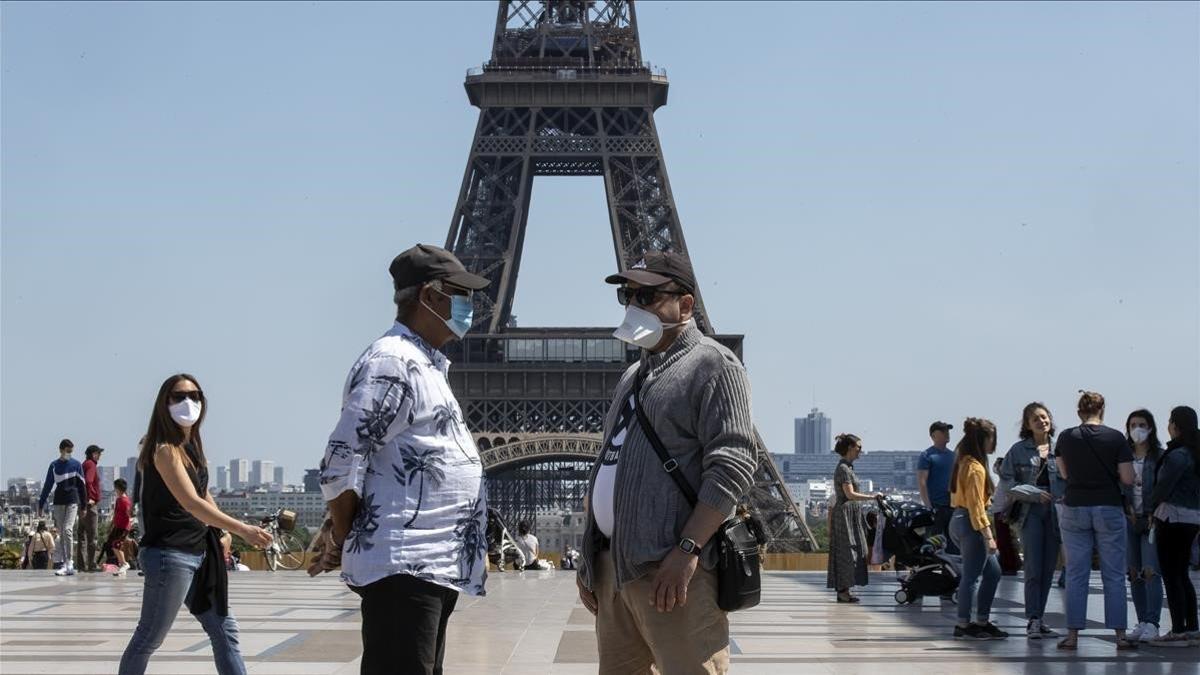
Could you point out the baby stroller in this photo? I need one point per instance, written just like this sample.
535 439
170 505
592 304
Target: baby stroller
926 567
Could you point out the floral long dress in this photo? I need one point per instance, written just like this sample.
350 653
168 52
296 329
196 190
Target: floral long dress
848 548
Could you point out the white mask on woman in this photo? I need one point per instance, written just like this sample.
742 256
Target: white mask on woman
185 413
1139 434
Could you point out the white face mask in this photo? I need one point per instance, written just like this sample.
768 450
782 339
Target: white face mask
642 328
185 413
1139 434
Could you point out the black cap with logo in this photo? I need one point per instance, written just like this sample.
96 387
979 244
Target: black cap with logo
657 268
940 426
423 263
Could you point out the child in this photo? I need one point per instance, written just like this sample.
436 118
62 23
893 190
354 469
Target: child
120 528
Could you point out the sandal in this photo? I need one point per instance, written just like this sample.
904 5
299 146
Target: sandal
1067 644
1125 644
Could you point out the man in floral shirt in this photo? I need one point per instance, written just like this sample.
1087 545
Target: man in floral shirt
402 476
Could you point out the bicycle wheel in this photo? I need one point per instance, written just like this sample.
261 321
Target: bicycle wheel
272 558
290 551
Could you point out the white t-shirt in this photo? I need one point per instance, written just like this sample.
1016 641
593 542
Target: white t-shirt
529 546
605 487
1139 466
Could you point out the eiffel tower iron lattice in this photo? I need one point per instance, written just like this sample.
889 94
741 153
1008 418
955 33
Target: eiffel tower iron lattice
565 93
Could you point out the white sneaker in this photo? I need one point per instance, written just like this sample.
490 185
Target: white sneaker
1149 632
1033 629
65 571
1135 634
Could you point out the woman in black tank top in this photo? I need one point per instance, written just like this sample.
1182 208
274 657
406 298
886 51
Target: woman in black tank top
180 518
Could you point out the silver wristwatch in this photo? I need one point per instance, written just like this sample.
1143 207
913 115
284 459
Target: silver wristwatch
689 546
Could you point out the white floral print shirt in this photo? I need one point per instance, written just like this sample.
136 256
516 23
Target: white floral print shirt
401 445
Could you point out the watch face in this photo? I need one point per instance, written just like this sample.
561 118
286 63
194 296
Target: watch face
688 545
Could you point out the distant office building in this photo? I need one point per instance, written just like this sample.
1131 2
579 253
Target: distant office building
312 480
130 471
262 472
239 474
278 477
222 478
108 474
888 470
814 434
309 506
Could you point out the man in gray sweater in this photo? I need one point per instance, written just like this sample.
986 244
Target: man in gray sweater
647 569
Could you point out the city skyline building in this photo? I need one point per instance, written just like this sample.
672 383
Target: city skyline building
239 473
262 472
222 478
814 434
277 478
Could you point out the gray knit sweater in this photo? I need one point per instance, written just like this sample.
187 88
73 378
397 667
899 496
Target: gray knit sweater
697 396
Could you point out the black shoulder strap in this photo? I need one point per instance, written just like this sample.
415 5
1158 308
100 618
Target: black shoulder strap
1115 478
668 464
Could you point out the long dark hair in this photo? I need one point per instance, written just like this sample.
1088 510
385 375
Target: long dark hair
164 431
977 433
1184 419
1026 430
1155 444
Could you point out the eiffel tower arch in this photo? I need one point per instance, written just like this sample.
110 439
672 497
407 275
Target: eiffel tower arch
565 93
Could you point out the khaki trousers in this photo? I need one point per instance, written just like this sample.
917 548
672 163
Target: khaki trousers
634 638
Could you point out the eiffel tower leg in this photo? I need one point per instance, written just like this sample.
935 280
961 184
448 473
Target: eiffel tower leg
640 204
487 231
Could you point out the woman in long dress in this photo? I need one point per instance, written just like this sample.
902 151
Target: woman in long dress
848 549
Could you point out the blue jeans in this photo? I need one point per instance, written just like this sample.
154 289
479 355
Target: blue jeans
1040 539
977 562
169 574
1145 580
1101 528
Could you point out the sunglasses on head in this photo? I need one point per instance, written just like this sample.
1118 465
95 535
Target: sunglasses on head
180 396
643 296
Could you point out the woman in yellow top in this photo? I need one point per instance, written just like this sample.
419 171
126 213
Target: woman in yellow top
971 529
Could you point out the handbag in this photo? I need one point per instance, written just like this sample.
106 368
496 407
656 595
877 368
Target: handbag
739 582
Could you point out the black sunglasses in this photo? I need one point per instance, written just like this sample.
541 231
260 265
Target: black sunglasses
643 296
180 396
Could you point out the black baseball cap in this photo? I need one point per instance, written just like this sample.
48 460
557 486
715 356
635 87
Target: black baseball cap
93 449
423 263
940 426
657 268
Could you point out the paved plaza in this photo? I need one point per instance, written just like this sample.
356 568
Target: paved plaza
532 623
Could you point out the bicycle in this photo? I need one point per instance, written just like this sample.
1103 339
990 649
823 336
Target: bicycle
286 550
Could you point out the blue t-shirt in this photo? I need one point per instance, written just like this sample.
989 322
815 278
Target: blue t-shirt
938 463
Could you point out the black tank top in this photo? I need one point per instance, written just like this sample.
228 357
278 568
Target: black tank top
169 525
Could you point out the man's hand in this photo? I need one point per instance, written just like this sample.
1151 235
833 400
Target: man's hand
587 597
669 589
327 551
1047 498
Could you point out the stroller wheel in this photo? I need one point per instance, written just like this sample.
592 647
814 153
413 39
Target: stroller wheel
903 597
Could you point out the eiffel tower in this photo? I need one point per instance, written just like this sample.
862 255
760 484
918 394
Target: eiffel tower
565 93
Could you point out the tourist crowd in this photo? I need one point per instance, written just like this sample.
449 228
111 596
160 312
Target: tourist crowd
1120 500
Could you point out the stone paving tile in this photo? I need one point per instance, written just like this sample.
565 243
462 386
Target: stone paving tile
532 623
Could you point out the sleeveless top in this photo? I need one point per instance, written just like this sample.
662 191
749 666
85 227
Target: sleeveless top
169 525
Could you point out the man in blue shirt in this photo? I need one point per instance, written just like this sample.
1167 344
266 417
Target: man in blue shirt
933 478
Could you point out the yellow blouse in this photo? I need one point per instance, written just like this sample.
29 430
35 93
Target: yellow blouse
970 493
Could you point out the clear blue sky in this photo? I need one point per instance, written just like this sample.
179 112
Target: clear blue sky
914 211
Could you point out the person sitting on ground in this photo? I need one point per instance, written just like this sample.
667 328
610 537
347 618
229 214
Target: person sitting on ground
528 544
40 546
